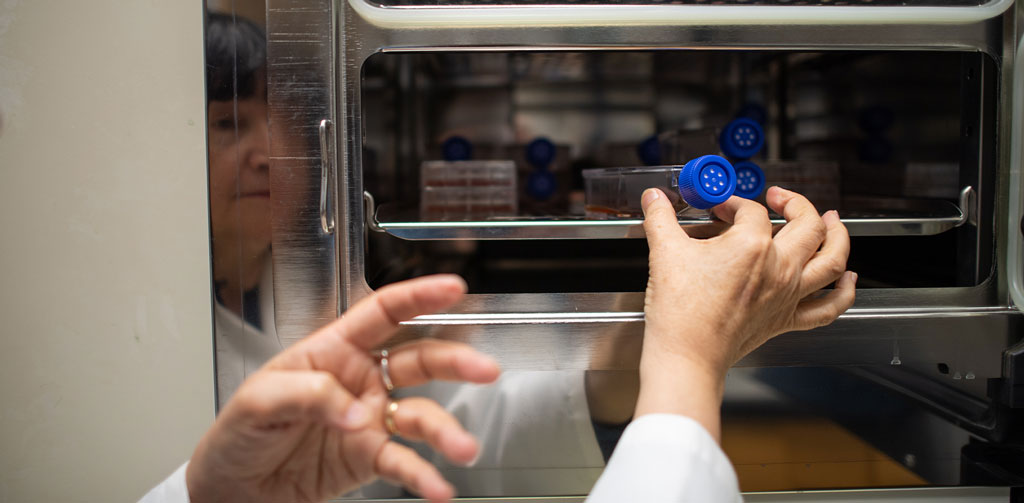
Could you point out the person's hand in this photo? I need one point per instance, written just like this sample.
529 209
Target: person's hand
309 425
710 302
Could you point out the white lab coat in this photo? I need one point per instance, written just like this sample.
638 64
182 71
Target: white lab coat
241 347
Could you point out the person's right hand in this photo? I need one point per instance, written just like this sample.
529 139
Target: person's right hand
710 302
309 425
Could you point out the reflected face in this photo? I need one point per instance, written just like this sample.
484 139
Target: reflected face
239 190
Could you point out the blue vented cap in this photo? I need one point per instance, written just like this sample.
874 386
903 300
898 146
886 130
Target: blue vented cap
706 181
742 138
649 151
540 152
749 179
457 148
540 184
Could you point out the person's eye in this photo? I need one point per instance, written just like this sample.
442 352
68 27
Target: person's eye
224 123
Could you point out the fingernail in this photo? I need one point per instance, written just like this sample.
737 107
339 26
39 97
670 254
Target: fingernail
854 277
650 195
355 416
830 216
473 462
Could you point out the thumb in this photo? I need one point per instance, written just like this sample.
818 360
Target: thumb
660 223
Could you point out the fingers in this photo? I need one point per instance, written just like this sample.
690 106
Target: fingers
746 215
804 230
417 362
424 420
401 465
821 311
374 319
274 397
828 264
660 223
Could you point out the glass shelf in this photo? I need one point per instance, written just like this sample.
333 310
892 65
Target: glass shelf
895 217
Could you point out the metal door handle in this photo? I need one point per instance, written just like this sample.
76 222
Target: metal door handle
326 165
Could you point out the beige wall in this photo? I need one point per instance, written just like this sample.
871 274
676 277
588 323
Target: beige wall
106 374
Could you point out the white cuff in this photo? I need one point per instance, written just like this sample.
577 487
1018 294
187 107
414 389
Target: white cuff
173 489
666 458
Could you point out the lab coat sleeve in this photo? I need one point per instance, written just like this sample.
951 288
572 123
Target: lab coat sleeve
666 458
171 490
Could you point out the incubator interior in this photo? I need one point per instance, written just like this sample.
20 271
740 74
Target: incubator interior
894 141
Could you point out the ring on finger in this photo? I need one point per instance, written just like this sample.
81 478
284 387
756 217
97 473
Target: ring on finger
389 417
385 375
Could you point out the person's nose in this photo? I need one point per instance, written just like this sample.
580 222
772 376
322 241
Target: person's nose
257 148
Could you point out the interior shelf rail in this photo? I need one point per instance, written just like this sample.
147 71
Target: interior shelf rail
921 218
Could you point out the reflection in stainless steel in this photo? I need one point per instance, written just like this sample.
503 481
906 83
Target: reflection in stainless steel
552 341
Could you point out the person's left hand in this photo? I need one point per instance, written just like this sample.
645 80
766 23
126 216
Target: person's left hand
309 425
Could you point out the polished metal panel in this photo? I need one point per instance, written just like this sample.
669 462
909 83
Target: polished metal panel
300 49
610 341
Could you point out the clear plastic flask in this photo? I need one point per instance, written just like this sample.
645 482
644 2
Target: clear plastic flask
693 188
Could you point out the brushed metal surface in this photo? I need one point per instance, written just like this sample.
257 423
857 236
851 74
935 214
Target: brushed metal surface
300 48
969 343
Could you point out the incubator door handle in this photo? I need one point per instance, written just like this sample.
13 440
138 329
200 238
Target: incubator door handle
326 170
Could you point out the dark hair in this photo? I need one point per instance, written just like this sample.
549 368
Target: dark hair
236 55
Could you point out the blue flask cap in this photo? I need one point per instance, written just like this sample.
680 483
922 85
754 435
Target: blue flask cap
649 151
540 184
741 138
456 148
540 152
707 181
749 180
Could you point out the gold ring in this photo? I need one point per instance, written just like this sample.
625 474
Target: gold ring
385 375
389 417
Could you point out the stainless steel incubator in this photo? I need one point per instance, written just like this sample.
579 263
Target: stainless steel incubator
905 116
